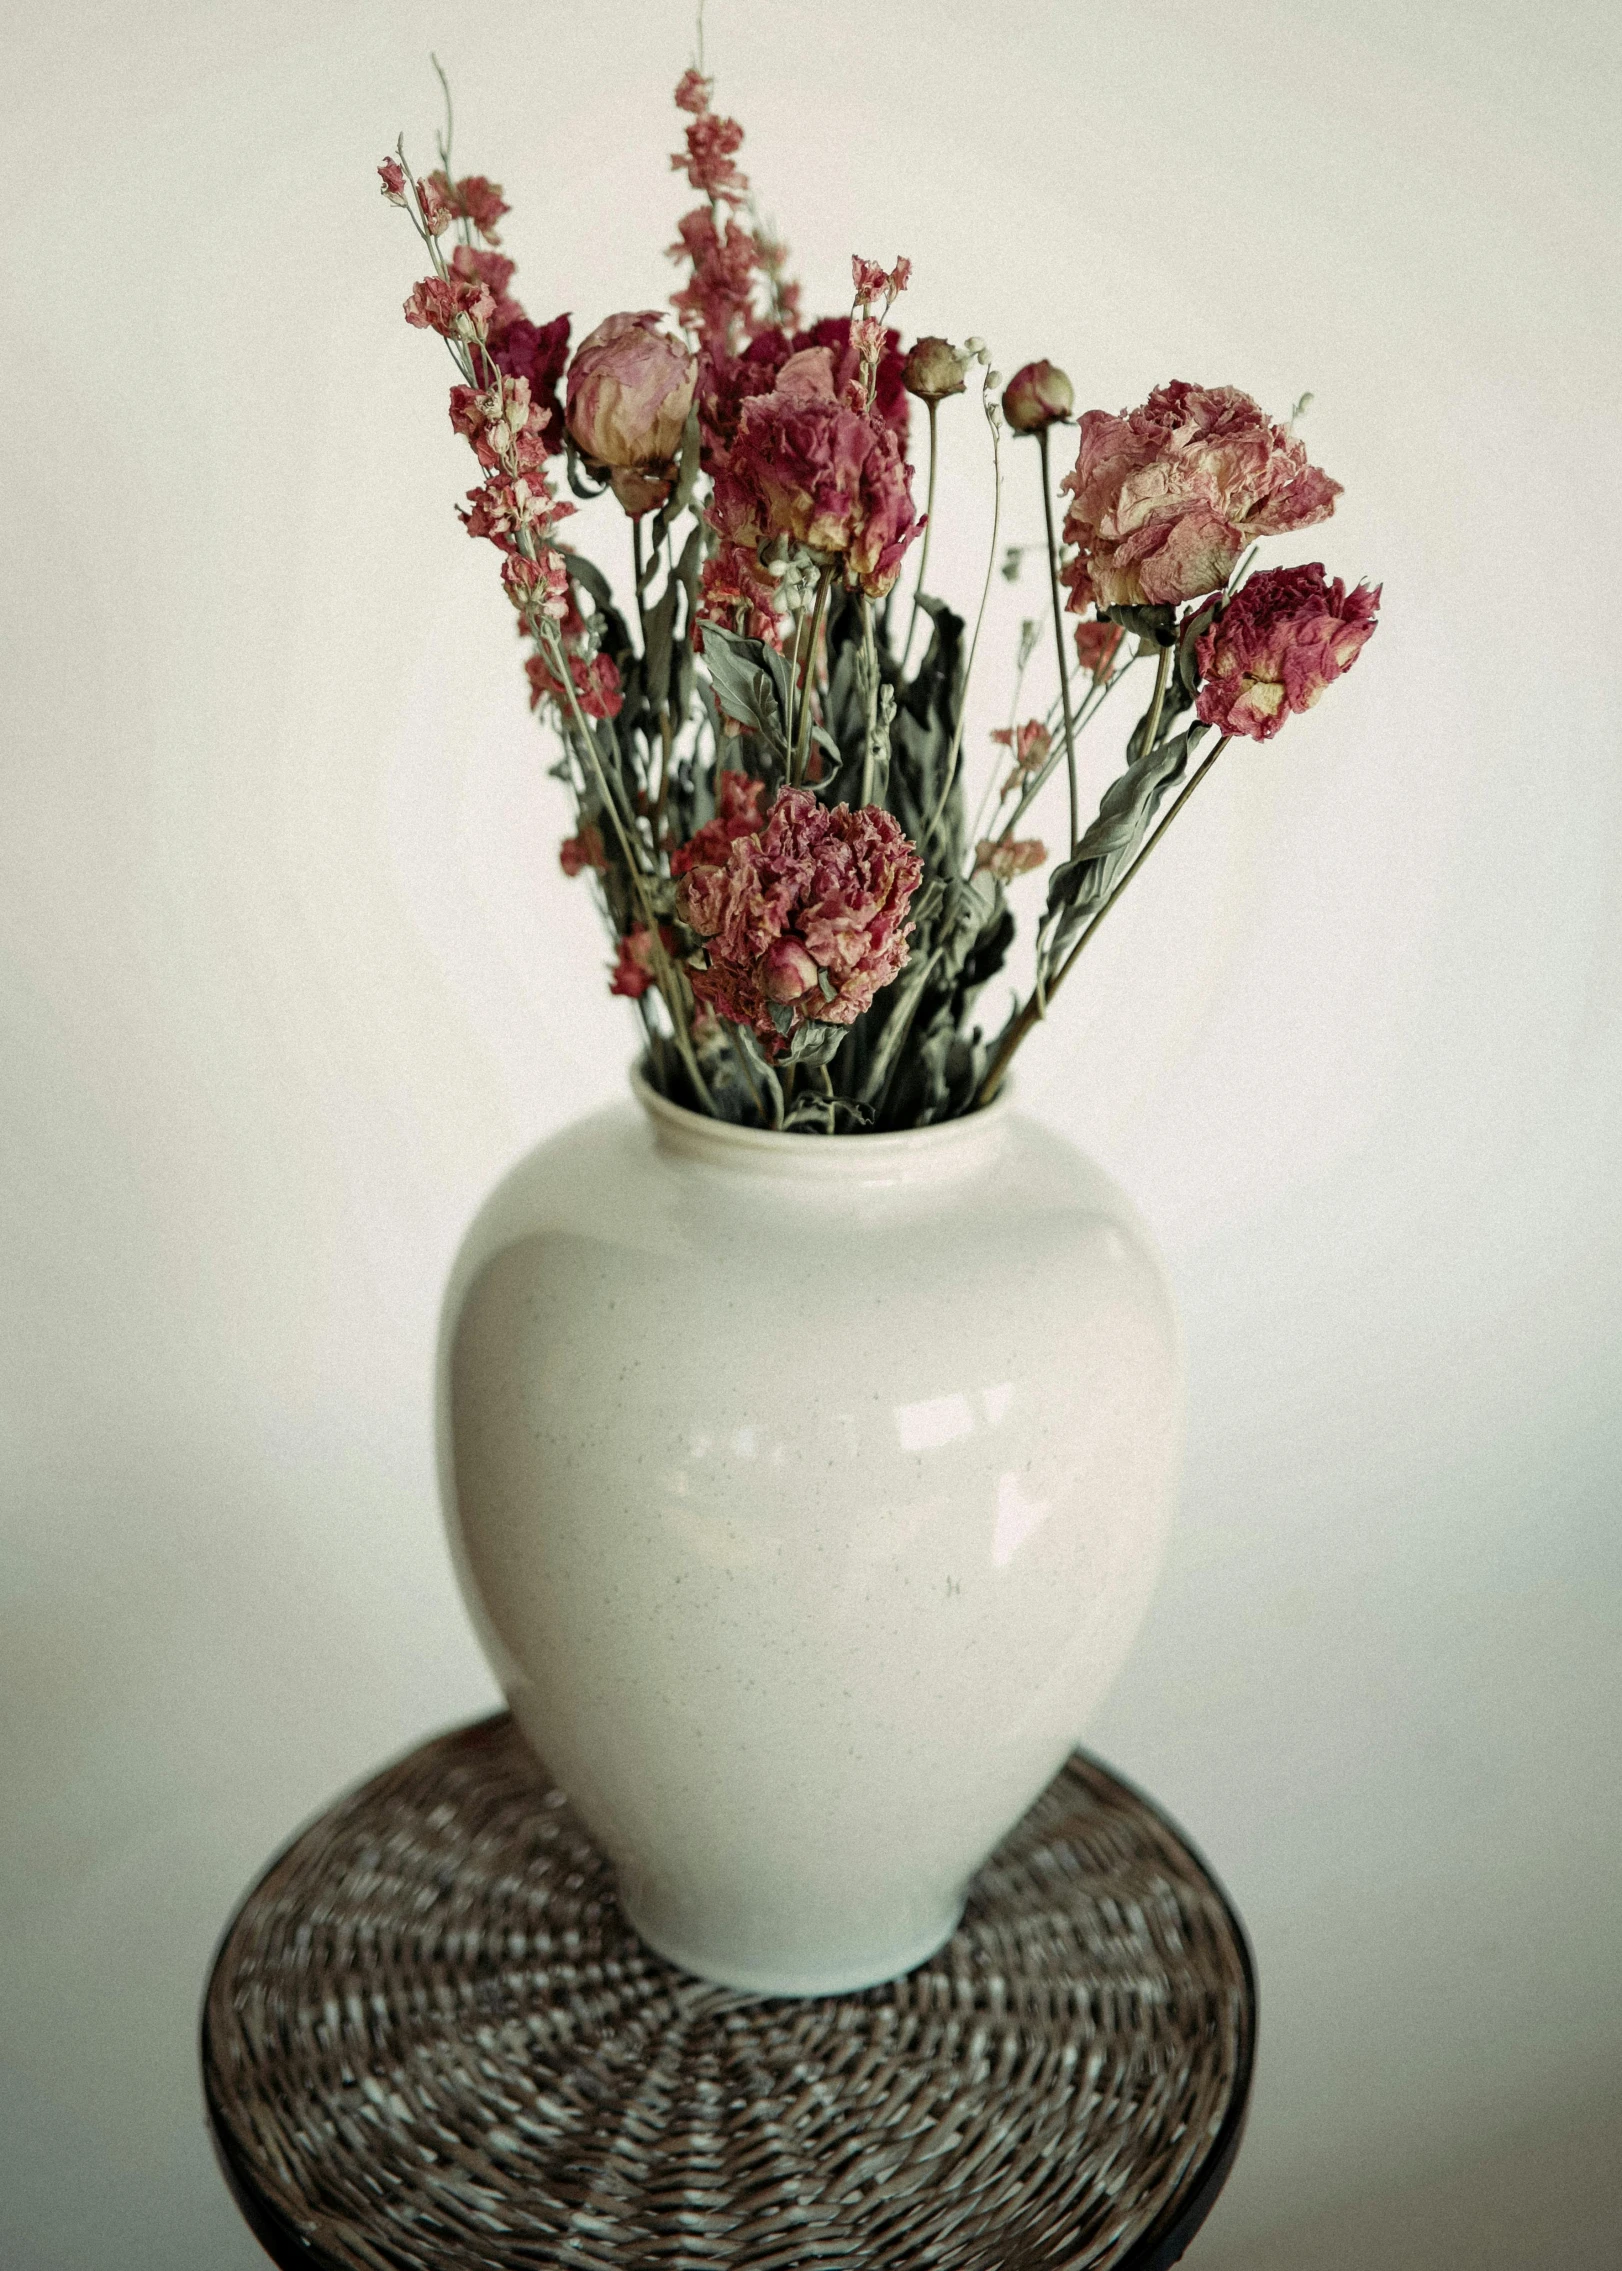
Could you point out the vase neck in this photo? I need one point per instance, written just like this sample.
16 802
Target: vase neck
940 1154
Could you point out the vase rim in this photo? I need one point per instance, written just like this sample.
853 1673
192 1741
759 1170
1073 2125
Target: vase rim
944 1146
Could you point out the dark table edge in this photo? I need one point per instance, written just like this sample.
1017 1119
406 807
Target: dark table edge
1165 2243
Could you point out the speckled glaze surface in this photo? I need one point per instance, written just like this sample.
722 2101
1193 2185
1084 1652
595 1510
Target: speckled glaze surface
807 1494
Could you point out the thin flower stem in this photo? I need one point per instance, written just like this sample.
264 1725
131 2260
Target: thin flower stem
666 976
950 777
1036 1007
803 739
1058 642
929 527
871 653
1092 703
1157 703
748 1071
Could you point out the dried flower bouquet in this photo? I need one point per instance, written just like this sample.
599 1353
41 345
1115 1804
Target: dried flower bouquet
769 788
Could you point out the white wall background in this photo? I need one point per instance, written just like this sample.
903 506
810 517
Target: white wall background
289 975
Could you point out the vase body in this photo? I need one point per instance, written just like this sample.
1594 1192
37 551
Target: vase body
806 1493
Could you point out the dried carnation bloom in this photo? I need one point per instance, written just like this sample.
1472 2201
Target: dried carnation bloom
807 464
807 916
1284 636
1165 497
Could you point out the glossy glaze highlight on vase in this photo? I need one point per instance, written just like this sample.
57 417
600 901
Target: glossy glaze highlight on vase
807 1493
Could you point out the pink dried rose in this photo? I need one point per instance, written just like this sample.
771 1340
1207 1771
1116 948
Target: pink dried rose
808 916
630 389
1284 636
457 307
1008 856
807 466
739 812
436 203
693 92
392 175
576 853
1095 646
1037 396
1164 498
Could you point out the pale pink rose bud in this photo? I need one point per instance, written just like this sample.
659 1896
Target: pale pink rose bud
1036 397
786 971
630 388
934 368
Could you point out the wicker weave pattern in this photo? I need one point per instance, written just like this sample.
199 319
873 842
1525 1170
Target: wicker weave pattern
431 2039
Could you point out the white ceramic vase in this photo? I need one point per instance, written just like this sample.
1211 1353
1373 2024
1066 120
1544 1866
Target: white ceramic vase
807 1493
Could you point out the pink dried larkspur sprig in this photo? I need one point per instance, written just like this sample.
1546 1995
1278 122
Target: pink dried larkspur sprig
586 850
1030 743
740 811
729 261
735 591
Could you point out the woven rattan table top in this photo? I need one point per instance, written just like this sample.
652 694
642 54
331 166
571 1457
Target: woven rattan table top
430 2039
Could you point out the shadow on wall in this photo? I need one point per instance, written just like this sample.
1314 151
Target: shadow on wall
1543 2197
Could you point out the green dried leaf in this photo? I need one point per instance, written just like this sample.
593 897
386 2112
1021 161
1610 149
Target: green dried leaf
681 495
1079 885
747 686
816 1043
1156 623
